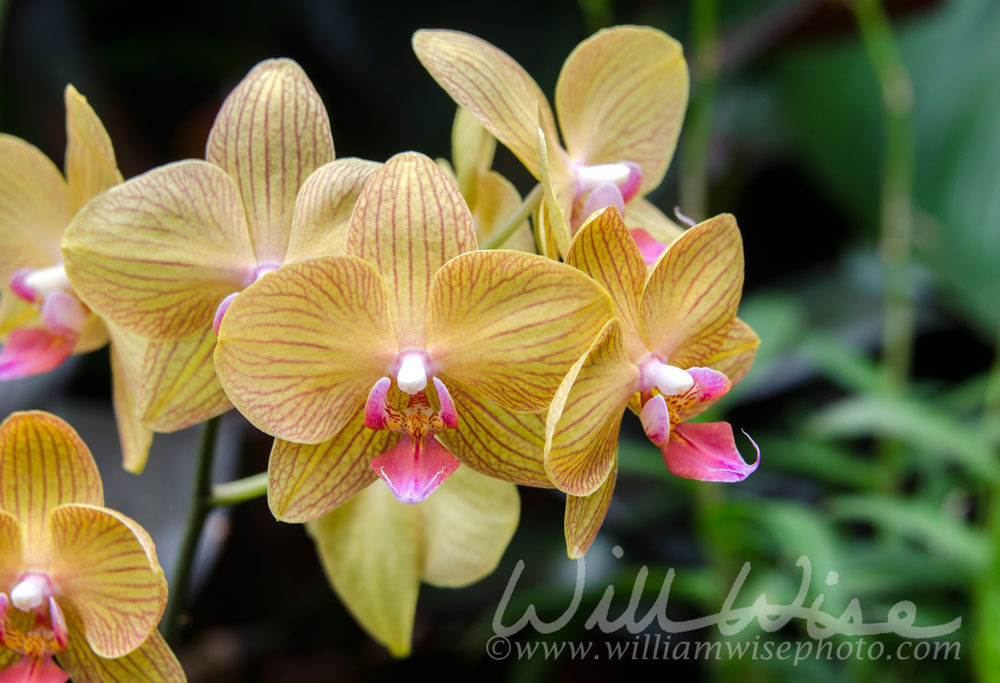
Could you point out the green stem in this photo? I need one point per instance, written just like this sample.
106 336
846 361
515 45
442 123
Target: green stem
896 214
698 125
991 402
986 598
528 206
172 623
238 491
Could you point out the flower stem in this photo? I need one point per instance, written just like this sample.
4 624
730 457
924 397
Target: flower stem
698 127
528 206
172 623
238 491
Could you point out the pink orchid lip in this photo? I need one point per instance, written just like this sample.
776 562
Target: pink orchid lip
707 451
32 351
413 469
649 246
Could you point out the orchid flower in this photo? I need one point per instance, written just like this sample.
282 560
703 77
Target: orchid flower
314 352
491 198
41 314
674 348
79 584
620 100
164 254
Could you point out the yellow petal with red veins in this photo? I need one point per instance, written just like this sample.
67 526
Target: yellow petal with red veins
11 561
158 254
90 158
371 550
604 250
43 464
409 220
497 442
104 571
135 439
692 293
621 96
270 134
581 430
639 213
178 386
736 354
468 523
152 662
585 515
472 149
305 482
34 208
300 349
323 207
509 324
492 86
496 201
557 203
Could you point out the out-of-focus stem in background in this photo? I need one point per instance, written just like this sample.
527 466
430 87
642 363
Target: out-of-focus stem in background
705 61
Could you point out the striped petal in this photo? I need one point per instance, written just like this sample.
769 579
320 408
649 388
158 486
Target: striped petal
178 386
496 201
299 350
707 452
305 482
371 549
135 439
409 220
497 442
581 430
509 324
323 208
472 150
151 662
691 295
157 254
621 96
43 464
34 208
106 573
585 515
467 525
270 134
32 351
11 560
557 203
90 159
492 86
736 354
604 250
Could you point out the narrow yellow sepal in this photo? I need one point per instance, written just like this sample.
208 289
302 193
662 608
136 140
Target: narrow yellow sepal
585 515
90 159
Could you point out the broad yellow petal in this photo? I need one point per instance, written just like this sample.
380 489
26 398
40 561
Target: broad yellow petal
305 482
492 86
604 250
584 516
497 200
468 523
270 134
158 254
104 571
497 442
736 354
409 220
472 150
300 349
43 464
371 551
621 96
135 439
557 204
323 207
510 324
11 560
90 159
16 312
151 662
640 214
178 386
581 430
692 293
34 208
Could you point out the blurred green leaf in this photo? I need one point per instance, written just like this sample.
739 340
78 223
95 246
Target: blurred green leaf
823 461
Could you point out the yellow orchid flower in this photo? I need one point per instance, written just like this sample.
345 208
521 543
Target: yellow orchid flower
620 100
674 348
79 584
491 198
411 301
42 318
163 254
